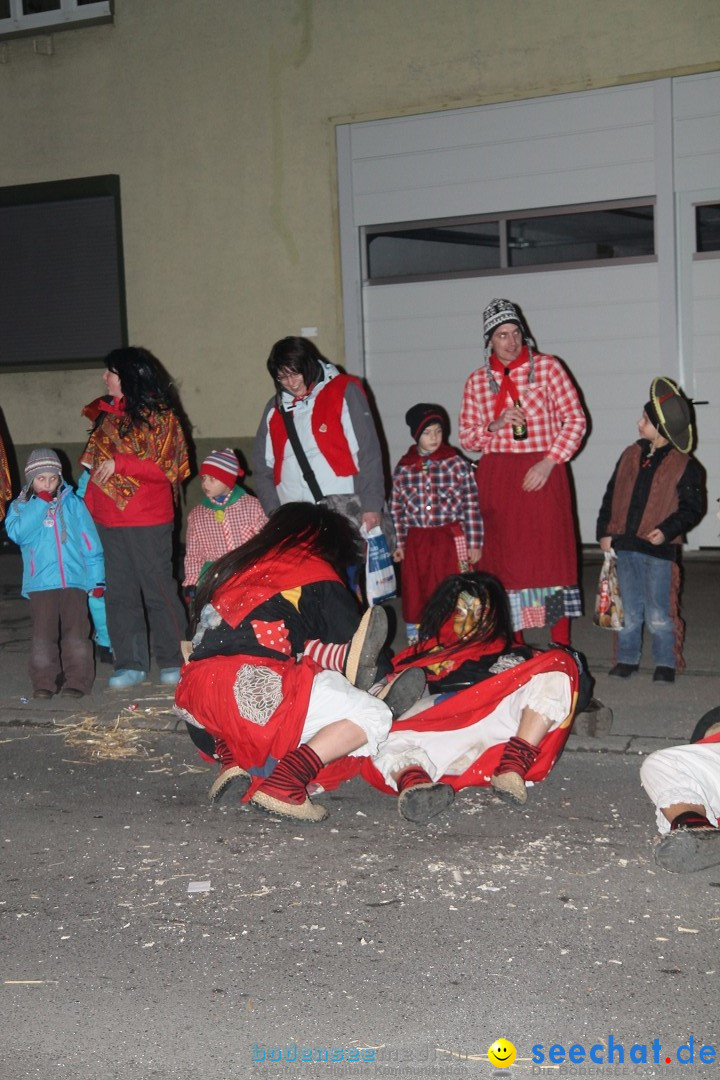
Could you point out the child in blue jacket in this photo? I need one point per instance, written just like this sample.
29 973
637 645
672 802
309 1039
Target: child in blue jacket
62 563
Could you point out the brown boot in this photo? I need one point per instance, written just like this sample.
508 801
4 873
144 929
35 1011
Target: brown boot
285 790
509 777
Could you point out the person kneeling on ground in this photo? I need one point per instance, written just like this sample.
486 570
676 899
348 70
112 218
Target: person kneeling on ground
500 714
684 784
276 686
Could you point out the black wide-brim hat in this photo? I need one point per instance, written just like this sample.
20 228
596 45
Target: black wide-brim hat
673 412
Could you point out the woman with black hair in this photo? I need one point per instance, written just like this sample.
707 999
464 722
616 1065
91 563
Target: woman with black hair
275 688
501 712
317 438
138 458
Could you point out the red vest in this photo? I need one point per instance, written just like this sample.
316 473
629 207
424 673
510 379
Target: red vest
327 429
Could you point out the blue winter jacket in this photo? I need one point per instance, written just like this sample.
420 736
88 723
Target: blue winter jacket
48 562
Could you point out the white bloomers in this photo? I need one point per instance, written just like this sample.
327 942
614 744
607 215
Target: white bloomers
334 698
683 774
453 751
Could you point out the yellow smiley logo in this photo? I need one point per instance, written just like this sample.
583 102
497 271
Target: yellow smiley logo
501 1054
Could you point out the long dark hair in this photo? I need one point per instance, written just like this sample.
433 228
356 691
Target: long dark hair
495 621
324 533
146 386
296 354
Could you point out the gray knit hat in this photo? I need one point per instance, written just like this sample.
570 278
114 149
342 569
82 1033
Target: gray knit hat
42 461
498 312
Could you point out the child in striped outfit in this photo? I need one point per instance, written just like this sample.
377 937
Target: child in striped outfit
226 518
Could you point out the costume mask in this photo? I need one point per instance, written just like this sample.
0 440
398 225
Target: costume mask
468 613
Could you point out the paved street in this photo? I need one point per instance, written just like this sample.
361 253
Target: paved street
548 926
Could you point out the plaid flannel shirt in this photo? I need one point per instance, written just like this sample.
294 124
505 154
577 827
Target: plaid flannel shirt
437 494
207 538
555 419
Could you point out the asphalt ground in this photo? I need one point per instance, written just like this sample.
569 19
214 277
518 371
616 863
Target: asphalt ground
410 949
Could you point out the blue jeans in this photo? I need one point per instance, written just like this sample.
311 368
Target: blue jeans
645 589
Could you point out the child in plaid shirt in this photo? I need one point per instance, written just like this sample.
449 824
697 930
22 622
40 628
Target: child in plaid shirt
226 518
435 510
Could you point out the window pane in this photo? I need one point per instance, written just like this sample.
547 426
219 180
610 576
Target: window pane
599 234
442 249
62 296
4 9
707 227
36 7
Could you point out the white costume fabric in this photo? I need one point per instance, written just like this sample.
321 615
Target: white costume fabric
683 774
442 753
334 698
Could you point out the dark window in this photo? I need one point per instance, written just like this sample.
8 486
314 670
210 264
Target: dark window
48 16
37 7
437 249
62 301
620 233
707 227
510 241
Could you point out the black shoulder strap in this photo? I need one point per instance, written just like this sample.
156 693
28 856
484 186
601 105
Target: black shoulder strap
308 474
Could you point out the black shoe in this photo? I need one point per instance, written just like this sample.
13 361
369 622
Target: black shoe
421 802
403 691
70 691
664 674
686 850
623 671
43 694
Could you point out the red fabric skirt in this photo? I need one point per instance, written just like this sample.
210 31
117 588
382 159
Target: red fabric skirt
448 712
207 691
430 557
530 538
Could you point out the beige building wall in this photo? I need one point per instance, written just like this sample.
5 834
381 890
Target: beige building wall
218 116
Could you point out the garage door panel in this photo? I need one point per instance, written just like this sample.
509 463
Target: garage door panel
614 109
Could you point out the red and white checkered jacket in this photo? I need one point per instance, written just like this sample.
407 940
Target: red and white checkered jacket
207 538
556 422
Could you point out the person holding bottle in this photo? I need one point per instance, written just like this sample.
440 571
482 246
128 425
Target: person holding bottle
522 411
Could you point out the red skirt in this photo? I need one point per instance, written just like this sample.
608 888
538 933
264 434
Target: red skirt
207 691
530 538
451 711
430 557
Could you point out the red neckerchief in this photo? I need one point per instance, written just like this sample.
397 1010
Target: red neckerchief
413 459
507 386
115 405
301 397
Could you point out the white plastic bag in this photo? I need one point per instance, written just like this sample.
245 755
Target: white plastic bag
608 601
380 584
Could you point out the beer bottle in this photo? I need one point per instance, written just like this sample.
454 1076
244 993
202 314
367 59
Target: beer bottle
519 430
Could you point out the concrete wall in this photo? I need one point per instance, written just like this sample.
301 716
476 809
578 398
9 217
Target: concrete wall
219 119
